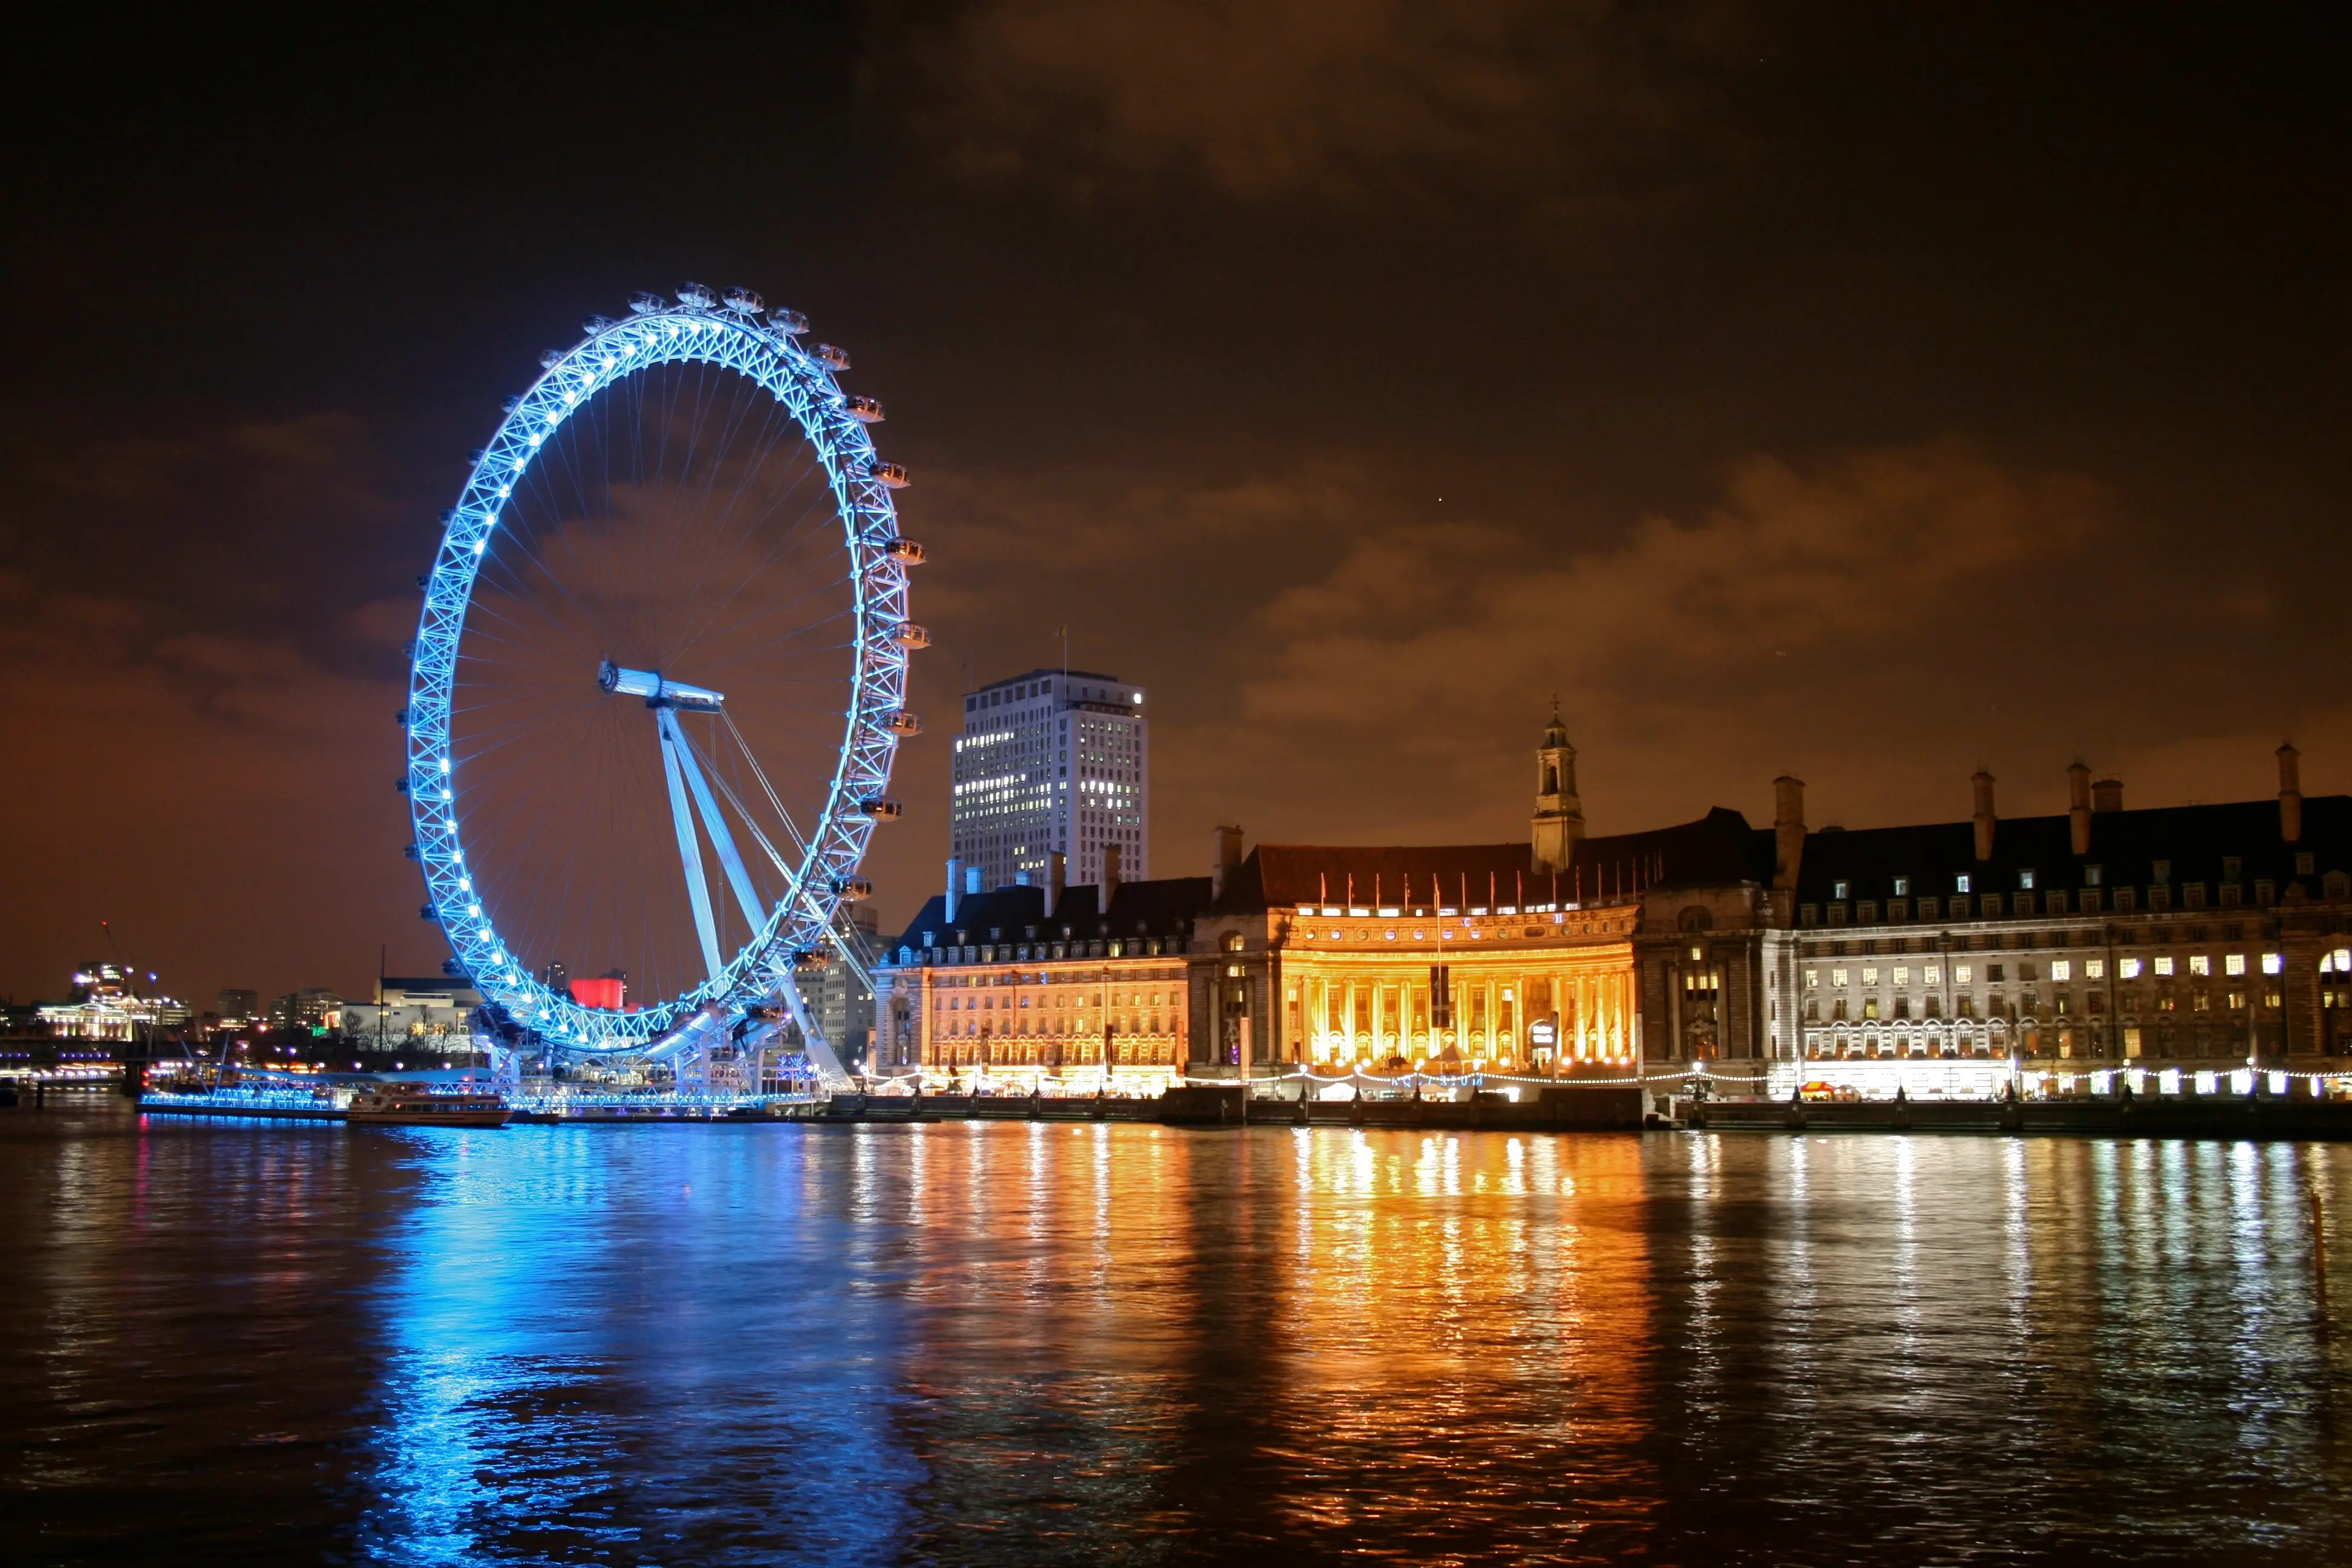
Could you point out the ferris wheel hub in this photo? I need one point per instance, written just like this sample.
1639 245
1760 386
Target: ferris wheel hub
657 691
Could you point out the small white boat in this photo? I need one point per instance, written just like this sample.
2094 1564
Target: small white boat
415 1105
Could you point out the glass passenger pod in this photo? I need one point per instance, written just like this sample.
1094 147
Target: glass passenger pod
894 476
906 551
832 355
865 410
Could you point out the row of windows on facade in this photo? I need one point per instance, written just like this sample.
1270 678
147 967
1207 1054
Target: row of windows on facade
1029 690
2029 1007
2060 969
2052 901
1029 953
2233 869
1994 941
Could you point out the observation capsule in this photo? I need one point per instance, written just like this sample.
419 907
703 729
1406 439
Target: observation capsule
839 358
791 323
646 304
904 551
595 325
550 358
745 301
881 808
696 296
902 723
865 410
910 636
893 475
853 887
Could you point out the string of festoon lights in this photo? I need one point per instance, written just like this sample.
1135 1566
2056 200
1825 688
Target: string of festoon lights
1475 1080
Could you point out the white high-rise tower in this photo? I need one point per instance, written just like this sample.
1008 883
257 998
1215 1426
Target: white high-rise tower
1052 762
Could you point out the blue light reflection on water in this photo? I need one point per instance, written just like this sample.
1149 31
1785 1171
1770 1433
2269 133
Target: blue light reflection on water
1037 1343
593 1356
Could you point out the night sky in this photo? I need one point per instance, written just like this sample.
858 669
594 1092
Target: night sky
1866 391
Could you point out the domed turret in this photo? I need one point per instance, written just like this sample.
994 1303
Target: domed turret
1555 732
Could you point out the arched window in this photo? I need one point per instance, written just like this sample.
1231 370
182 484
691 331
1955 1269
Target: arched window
1551 778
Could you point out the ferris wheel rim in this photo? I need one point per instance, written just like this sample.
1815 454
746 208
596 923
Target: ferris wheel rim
697 328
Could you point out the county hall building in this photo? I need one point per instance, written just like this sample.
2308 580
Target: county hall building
2176 948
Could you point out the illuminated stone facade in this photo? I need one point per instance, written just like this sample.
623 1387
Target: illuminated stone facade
2191 947
2205 943
1035 985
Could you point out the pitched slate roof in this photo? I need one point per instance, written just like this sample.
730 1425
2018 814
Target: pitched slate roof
2125 845
1719 848
1166 907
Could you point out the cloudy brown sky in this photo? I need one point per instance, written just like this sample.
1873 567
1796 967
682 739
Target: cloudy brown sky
1866 391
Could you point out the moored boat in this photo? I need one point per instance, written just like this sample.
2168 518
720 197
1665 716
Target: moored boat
415 1105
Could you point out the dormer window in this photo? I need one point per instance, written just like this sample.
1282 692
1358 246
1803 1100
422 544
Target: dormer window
1902 886
2160 872
1841 890
2233 867
2093 874
1960 883
2026 879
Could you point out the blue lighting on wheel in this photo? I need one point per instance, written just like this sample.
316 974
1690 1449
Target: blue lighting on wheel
803 387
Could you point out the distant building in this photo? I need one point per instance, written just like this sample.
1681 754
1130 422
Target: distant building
1052 762
237 1006
420 1013
314 1008
107 1006
843 1001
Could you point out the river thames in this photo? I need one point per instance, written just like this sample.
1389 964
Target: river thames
1021 1343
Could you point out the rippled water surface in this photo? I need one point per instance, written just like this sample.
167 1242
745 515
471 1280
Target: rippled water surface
1038 1344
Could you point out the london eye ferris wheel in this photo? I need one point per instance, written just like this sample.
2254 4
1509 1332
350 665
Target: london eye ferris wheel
660 678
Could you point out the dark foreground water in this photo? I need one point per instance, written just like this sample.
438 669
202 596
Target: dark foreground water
1015 1344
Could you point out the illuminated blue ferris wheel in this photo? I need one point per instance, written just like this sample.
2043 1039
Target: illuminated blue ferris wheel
659 680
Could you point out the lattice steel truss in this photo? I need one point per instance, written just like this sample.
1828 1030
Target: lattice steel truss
734 335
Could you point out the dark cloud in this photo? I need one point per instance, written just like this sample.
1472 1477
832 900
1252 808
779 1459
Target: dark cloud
1869 393
1354 106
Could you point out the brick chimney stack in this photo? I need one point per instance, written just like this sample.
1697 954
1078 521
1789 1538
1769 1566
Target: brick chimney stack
955 891
1228 860
2078 805
1057 873
1788 831
1110 877
2108 793
1982 780
2290 763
